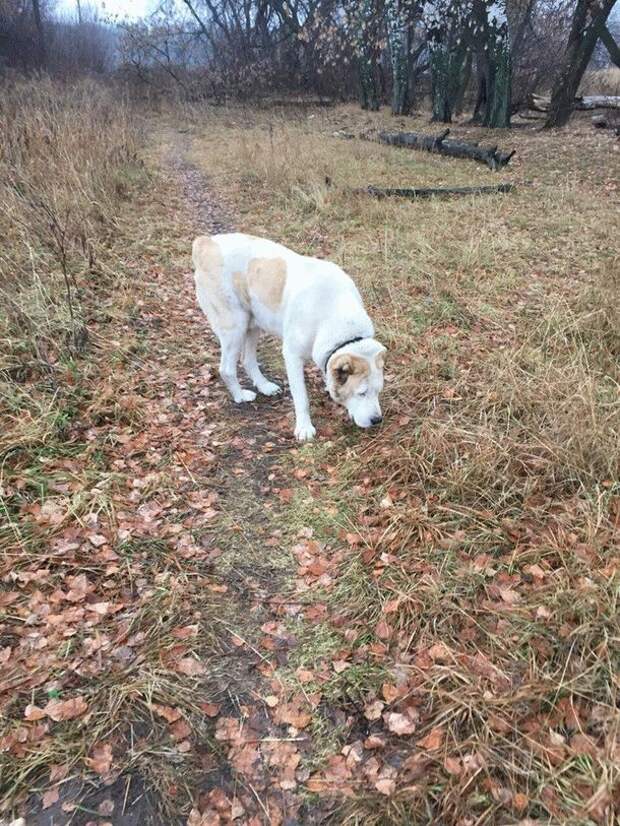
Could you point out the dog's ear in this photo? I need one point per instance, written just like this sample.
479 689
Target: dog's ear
342 368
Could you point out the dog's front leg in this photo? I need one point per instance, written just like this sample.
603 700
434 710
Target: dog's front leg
304 429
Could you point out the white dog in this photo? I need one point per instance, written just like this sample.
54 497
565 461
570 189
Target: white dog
246 284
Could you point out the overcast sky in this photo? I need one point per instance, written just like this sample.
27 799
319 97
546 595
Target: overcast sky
123 8
140 8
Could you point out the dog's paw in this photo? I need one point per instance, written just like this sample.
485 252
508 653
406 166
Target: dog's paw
246 396
269 388
305 432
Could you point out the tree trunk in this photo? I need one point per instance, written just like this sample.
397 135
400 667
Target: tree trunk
447 52
369 94
481 97
588 17
38 22
399 37
446 78
489 25
459 100
366 48
521 29
610 44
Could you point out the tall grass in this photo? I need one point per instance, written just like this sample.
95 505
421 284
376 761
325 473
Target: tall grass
601 82
67 155
500 451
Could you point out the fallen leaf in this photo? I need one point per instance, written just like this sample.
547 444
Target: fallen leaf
168 713
106 807
100 760
180 730
433 740
374 741
399 723
383 630
60 710
185 632
439 653
519 801
190 667
34 713
58 772
390 692
292 714
374 710
386 786
304 676
509 596
50 797
452 765
211 709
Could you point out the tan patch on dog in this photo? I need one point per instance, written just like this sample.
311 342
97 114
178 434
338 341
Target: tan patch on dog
240 286
380 361
266 280
209 264
348 372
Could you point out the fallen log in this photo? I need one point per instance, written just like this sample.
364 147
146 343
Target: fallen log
541 103
605 122
429 192
598 102
297 103
489 155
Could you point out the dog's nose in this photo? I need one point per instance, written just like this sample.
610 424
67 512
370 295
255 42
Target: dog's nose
376 420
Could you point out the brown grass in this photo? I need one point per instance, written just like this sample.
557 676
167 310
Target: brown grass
499 453
74 245
67 162
501 450
601 82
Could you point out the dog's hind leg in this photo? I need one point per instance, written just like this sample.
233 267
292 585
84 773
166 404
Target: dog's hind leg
252 368
232 343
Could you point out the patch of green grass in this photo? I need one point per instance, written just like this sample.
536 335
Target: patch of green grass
438 309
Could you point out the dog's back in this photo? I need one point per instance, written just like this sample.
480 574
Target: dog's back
242 273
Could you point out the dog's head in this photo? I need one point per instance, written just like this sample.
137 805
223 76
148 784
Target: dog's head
354 379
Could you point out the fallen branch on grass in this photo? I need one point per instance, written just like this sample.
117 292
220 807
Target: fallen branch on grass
298 103
489 155
429 192
541 104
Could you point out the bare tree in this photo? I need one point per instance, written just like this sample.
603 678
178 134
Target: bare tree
588 18
610 44
489 30
445 23
38 21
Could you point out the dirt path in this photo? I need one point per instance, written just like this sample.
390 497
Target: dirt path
250 777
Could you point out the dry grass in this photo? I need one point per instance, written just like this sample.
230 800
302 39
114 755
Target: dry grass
67 162
601 82
76 239
501 450
499 453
